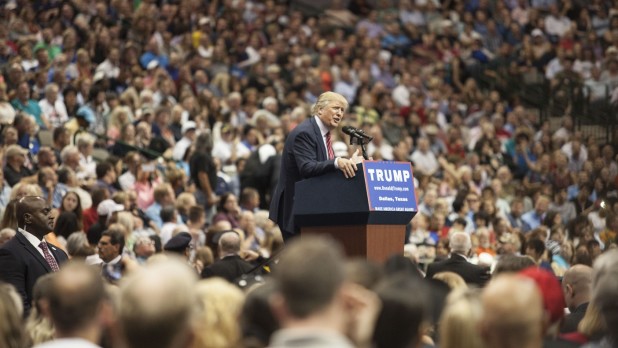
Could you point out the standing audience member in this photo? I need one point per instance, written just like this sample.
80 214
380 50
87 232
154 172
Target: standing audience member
28 256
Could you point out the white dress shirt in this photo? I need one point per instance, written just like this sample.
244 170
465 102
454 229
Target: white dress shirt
323 131
33 240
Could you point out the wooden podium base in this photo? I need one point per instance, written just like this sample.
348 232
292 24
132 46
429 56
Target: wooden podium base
374 242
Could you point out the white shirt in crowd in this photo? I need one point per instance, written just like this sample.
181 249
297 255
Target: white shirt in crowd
56 113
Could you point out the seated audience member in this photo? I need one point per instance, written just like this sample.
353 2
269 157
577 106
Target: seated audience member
230 265
39 326
460 320
460 246
12 334
228 210
15 170
577 287
143 248
257 321
402 318
604 294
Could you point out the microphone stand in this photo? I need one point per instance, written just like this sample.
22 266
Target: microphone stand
355 140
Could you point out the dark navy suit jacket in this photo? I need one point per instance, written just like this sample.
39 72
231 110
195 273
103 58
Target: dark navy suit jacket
21 265
304 156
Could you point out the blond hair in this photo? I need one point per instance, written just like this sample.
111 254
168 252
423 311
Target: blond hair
592 323
453 280
325 99
458 326
216 325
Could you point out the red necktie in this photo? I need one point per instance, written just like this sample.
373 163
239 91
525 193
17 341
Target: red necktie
329 147
51 261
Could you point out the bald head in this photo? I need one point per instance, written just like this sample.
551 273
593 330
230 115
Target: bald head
34 215
577 286
516 322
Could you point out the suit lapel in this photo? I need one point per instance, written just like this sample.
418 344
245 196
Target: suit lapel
55 251
319 138
35 253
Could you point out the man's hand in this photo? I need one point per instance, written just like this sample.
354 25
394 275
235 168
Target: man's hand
348 166
249 255
356 158
362 308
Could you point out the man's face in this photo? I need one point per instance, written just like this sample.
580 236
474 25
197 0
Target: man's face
332 114
10 136
107 251
23 92
19 159
39 220
145 249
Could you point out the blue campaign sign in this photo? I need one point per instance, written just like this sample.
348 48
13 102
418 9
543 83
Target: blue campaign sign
390 186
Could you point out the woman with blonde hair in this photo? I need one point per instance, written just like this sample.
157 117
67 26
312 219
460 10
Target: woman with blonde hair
216 325
184 202
453 280
11 331
120 117
590 329
458 325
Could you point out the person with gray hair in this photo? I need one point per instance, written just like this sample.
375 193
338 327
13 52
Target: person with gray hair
604 295
52 108
457 262
307 153
230 265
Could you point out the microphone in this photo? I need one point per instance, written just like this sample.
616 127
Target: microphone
357 133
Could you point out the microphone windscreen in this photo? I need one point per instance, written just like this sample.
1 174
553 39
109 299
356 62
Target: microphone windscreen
348 130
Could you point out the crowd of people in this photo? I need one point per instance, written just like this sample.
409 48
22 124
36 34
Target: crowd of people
154 130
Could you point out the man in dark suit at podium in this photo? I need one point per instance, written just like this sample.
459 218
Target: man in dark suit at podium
308 152
457 262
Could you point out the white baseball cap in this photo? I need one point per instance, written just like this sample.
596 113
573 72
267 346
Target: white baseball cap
108 207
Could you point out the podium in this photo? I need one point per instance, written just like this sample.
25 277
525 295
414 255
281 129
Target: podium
367 214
